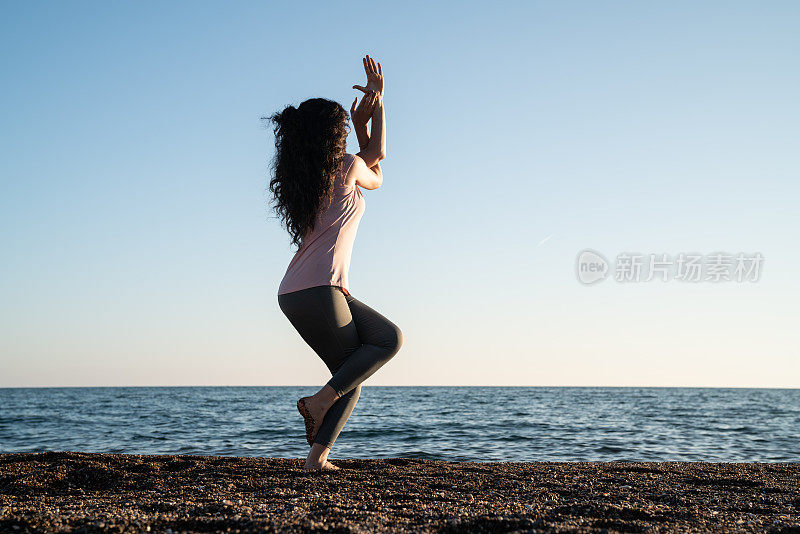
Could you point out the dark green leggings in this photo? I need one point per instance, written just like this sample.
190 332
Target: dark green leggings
352 339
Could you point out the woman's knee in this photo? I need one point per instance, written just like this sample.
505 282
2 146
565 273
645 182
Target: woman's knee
393 338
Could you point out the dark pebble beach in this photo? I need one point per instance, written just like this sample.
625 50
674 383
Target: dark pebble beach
87 492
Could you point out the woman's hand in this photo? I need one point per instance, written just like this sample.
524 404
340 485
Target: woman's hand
363 113
374 76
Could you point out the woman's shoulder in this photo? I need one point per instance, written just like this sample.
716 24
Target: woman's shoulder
347 163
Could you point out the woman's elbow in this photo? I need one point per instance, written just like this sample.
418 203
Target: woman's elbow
375 184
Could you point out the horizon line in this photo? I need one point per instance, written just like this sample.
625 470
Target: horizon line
398 386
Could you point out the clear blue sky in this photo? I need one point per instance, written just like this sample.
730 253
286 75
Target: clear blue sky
138 248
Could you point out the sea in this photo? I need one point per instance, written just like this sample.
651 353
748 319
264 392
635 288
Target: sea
478 424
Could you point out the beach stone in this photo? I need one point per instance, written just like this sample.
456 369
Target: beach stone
85 492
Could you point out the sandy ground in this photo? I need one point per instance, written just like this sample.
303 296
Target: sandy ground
83 492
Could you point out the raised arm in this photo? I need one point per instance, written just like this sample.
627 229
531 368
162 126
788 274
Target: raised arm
361 115
366 170
375 150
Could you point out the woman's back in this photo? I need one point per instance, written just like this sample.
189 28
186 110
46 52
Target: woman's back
324 254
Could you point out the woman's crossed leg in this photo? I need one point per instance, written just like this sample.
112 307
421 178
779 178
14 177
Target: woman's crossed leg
354 341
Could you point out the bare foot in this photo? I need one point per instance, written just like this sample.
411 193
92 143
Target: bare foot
311 424
327 466
313 415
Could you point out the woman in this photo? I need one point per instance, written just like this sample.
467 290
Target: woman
317 190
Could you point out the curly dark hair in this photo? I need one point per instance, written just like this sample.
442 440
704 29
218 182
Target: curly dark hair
310 143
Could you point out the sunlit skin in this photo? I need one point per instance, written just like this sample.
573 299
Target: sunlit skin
366 172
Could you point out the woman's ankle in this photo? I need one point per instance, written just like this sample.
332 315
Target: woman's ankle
326 396
317 456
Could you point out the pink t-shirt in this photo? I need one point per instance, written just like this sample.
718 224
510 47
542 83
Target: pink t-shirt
323 258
